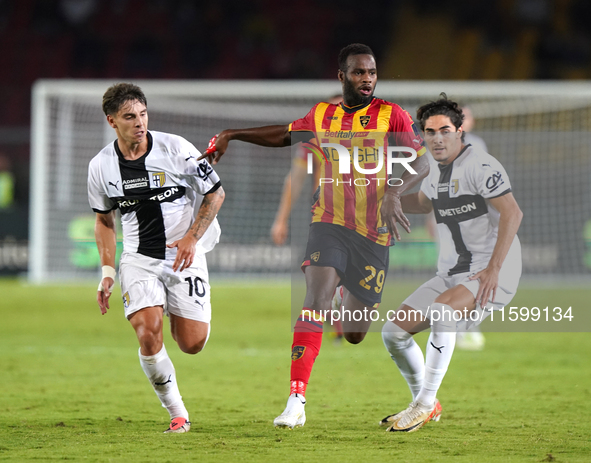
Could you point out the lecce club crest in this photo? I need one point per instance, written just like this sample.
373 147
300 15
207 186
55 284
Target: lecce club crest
364 120
158 179
297 352
315 256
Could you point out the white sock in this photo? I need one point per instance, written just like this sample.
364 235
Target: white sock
440 348
160 371
407 355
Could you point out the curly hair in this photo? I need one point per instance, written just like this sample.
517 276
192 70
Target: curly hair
116 95
353 49
441 107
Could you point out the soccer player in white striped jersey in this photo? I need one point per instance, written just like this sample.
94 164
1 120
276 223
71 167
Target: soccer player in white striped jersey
479 259
168 203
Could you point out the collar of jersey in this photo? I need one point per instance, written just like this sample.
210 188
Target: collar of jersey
443 167
354 109
120 154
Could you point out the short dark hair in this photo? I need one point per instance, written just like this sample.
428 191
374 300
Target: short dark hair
442 107
353 49
118 94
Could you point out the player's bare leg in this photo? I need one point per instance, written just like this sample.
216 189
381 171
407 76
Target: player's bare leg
147 324
321 283
158 367
190 335
354 331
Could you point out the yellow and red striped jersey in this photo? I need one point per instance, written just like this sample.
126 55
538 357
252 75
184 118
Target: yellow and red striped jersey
353 200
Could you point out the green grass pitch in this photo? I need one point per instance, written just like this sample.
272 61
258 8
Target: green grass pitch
72 388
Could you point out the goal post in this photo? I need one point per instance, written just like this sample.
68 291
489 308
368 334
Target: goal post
539 131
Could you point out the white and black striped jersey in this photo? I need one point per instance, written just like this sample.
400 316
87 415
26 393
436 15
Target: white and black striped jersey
157 194
467 223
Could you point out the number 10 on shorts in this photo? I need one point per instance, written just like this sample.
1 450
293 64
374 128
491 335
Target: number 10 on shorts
196 284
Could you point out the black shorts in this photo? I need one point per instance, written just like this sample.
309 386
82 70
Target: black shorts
361 263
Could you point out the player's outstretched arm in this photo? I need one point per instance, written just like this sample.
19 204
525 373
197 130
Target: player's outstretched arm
106 242
391 209
509 222
270 135
186 245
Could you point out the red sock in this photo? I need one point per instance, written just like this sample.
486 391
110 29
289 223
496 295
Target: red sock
307 339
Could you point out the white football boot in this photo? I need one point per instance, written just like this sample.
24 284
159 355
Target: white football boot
415 417
294 415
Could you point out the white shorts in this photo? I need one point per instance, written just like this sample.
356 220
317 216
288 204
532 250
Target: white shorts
149 282
426 294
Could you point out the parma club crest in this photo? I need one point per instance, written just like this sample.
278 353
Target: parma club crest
126 300
158 179
297 352
455 186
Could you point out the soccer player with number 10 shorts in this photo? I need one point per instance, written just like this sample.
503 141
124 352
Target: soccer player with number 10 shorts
356 213
168 203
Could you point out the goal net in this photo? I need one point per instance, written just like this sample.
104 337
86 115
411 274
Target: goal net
539 132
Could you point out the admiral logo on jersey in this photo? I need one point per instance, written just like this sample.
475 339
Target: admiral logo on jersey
133 183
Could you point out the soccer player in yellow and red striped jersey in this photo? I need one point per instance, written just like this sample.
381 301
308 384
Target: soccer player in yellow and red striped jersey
352 199
356 213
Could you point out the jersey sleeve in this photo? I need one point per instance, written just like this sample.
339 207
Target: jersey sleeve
97 197
199 174
406 131
490 178
306 123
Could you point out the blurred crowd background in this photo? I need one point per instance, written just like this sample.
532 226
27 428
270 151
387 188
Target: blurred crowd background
266 39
